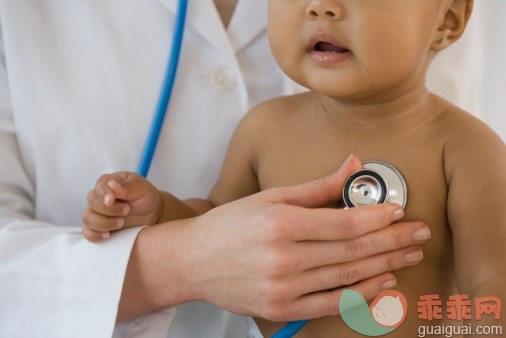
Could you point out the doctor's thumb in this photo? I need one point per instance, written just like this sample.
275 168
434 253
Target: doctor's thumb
321 191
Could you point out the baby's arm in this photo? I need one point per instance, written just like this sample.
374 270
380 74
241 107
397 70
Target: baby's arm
122 200
476 172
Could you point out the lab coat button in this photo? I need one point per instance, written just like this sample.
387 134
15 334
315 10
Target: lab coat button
221 78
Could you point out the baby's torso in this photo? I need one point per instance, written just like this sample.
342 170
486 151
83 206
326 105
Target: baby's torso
312 149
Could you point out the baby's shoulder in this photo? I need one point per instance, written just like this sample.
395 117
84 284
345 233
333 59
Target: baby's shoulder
461 127
268 120
278 109
468 140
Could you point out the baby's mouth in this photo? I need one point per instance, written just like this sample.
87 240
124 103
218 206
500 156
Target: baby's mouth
328 47
324 50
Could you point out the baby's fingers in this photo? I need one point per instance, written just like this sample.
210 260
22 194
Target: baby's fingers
128 186
97 204
109 187
100 223
102 189
97 227
95 236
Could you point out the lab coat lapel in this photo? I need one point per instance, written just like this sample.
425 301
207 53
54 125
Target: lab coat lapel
249 20
203 17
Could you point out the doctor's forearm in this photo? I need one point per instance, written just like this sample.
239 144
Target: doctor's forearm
152 279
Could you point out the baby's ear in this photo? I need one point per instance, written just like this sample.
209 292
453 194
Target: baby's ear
454 23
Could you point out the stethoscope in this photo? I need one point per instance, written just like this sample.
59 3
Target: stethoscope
166 91
362 186
377 182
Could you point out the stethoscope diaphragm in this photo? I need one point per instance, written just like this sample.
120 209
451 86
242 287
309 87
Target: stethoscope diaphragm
377 182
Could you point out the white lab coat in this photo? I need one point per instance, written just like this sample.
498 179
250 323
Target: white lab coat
79 81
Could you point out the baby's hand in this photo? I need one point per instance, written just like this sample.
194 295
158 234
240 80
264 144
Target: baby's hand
119 201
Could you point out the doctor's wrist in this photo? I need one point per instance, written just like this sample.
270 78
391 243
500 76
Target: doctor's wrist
153 279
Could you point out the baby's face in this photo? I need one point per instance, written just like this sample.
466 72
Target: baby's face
355 49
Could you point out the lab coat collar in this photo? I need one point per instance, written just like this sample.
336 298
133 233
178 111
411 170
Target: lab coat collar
249 20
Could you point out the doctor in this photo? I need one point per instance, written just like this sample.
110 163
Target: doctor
72 71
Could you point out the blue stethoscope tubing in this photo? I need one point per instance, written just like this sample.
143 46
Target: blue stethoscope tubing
166 91
291 328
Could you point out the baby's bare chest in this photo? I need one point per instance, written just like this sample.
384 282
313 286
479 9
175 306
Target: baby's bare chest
427 190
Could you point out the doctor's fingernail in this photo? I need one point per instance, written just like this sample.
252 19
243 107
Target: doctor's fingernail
397 215
120 223
389 284
421 234
347 160
106 235
413 257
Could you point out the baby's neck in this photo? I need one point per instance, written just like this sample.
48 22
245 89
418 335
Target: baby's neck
374 110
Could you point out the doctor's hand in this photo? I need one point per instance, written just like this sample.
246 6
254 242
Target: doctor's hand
118 201
277 254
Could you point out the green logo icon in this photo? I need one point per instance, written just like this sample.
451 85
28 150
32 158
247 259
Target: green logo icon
386 313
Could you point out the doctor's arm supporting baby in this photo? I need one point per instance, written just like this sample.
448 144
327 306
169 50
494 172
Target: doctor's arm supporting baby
291 140
57 106
271 226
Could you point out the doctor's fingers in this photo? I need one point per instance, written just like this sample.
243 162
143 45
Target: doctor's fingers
318 192
325 303
340 224
334 276
313 254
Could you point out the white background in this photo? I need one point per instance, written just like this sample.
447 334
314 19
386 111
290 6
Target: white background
494 84
472 72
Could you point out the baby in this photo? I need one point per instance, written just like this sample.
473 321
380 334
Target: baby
365 62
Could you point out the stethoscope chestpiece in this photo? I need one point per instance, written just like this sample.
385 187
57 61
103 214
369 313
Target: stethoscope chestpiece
377 182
